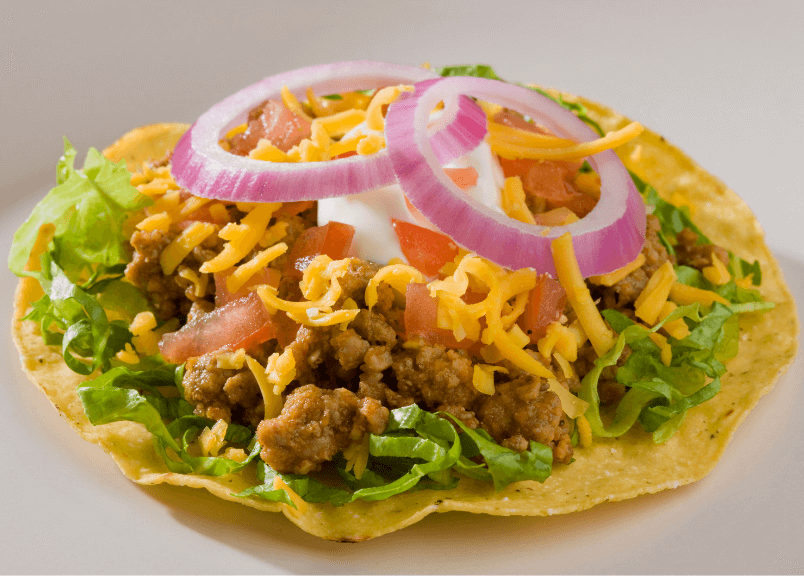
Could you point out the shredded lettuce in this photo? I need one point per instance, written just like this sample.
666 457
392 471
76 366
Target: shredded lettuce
71 317
418 450
122 394
749 300
659 396
81 272
674 219
88 208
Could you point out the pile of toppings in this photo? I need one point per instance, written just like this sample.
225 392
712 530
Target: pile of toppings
534 305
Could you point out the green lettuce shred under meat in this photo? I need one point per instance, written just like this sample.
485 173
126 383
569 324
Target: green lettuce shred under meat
82 278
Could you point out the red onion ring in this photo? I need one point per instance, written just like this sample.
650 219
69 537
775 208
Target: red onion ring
608 238
205 169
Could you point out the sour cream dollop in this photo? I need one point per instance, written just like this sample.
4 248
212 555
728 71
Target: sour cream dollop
371 212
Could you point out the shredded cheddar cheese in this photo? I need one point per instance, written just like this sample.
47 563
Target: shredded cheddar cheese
370 144
337 125
159 221
231 360
612 278
500 134
199 282
584 431
383 97
242 238
717 273
357 457
292 103
666 354
211 440
272 402
128 355
181 246
569 274
397 275
268 152
143 322
575 152
677 328
301 505
684 295
571 404
483 377
513 201
244 272
650 301
560 338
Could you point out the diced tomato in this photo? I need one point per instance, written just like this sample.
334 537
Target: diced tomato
242 323
545 306
421 316
515 120
464 178
293 208
424 249
333 239
277 124
223 296
551 180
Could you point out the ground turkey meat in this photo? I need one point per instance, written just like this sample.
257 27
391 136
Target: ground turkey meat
522 410
690 253
170 295
145 272
315 425
222 393
436 376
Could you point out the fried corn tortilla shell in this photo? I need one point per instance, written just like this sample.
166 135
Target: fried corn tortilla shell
608 471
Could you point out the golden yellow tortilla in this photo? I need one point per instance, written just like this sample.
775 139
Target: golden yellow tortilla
608 471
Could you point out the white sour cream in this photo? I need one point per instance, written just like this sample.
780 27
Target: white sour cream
371 212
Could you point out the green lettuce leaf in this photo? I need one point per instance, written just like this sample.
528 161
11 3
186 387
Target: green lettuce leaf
122 394
419 450
70 317
674 219
656 393
88 208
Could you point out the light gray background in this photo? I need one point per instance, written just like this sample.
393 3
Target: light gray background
722 80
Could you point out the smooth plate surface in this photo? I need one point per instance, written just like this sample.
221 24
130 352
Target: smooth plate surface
719 83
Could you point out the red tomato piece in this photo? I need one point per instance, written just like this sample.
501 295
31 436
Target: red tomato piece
551 180
275 123
268 276
463 178
242 323
515 120
333 239
545 306
421 316
425 249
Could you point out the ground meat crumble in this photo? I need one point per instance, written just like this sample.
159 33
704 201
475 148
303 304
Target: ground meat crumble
347 379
